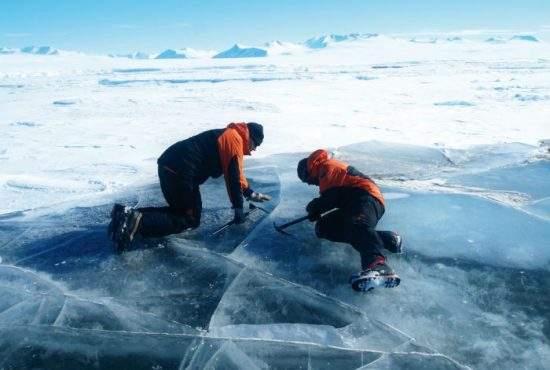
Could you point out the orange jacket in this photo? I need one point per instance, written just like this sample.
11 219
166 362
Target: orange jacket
233 143
332 173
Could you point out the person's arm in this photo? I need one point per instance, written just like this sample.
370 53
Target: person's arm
230 146
327 201
235 184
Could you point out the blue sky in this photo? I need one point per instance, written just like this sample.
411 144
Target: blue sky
104 26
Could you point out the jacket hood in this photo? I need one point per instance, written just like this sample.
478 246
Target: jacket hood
242 130
314 162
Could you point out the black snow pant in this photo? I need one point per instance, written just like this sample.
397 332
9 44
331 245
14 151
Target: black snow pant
357 229
184 206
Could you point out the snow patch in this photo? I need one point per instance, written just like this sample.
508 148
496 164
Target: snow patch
424 40
283 48
11 86
25 124
5 51
455 103
366 78
65 102
325 40
495 40
531 97
135 55
46 184
136 70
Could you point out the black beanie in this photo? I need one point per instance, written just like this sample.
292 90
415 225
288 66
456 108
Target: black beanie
302 170
256 132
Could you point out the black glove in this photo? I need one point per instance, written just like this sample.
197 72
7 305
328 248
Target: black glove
313 207
313 212
239 216
314 217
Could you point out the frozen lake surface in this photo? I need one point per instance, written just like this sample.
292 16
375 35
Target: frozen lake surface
475 276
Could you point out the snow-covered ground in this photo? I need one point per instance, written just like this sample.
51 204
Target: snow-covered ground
74 124
455 131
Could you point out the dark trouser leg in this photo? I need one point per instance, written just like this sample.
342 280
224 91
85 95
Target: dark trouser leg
161 221
359 231
183 212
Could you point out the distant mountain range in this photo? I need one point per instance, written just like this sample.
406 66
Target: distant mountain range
267 49
37 50
324 41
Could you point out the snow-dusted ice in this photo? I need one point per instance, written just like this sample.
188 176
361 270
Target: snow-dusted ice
453 130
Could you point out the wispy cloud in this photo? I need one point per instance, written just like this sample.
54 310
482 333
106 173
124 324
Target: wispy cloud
16 34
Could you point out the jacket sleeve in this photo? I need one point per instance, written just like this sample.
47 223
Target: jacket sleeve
234 184
231 155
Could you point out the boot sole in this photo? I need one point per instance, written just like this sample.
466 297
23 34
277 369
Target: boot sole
136 226
368 283
122 245
115 220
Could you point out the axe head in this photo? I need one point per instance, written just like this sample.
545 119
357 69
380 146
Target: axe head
279 229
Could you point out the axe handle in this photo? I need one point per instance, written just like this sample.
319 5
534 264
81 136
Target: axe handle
298 220
293 222
252 210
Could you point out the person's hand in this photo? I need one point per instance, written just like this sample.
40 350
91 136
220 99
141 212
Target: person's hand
313 207
239 216
258 197
313 216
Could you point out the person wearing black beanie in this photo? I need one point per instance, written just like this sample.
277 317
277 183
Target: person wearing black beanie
181 169
256 132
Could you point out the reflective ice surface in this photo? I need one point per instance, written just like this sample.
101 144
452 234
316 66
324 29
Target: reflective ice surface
474 291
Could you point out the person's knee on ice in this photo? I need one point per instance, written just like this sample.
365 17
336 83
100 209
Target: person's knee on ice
392 241
192 218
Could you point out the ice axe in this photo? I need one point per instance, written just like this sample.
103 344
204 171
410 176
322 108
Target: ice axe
281 228
252 208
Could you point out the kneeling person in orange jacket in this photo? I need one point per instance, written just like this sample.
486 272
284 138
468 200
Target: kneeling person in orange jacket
360 205
181 169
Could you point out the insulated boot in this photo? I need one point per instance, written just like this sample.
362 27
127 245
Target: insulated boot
392 241
117 213
127 229
378 274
